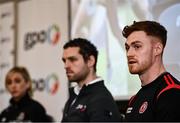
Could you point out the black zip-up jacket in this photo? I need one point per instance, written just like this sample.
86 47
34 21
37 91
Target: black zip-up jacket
25 110
94 103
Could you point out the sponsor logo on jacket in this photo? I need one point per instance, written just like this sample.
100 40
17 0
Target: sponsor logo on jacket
81 107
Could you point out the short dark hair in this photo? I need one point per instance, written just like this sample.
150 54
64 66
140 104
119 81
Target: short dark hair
86 48
149 27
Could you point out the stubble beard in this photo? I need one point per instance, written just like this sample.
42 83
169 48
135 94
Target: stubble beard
139 68
78 77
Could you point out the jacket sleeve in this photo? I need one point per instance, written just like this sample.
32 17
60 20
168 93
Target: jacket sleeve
168 106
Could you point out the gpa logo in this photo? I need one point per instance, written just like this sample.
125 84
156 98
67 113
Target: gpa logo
51 35
50 84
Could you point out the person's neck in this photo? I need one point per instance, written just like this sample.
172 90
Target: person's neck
151 74
17 99
88 79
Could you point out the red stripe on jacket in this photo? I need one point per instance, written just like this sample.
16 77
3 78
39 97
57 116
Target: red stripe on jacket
170 84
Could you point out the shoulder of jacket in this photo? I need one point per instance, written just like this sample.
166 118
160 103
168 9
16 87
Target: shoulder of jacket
170 83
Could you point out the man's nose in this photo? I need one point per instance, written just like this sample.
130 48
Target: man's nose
66 64
130 52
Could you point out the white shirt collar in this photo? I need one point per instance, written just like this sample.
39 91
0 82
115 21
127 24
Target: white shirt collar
94 81
77 88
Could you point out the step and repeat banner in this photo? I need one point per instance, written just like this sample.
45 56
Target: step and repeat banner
6 48
42 30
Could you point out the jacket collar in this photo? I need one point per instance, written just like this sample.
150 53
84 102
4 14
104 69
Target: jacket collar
21 102
77 88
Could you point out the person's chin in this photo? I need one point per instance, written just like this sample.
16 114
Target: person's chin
71 80
16 96
133 71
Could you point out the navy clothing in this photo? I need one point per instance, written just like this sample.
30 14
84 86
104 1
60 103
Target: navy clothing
94 103
25 110
157 101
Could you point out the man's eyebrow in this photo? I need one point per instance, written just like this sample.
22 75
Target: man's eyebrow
69 57
136 42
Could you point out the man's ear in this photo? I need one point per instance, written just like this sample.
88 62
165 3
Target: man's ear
91 61
158 48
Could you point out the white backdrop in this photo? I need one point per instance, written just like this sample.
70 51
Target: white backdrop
43 29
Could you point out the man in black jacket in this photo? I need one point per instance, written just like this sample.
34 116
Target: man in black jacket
157 100
89 100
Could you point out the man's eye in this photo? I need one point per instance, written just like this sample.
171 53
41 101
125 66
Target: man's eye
63 60
137 46
73 59
127 48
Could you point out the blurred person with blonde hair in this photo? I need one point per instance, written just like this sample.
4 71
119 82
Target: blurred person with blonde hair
22 107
